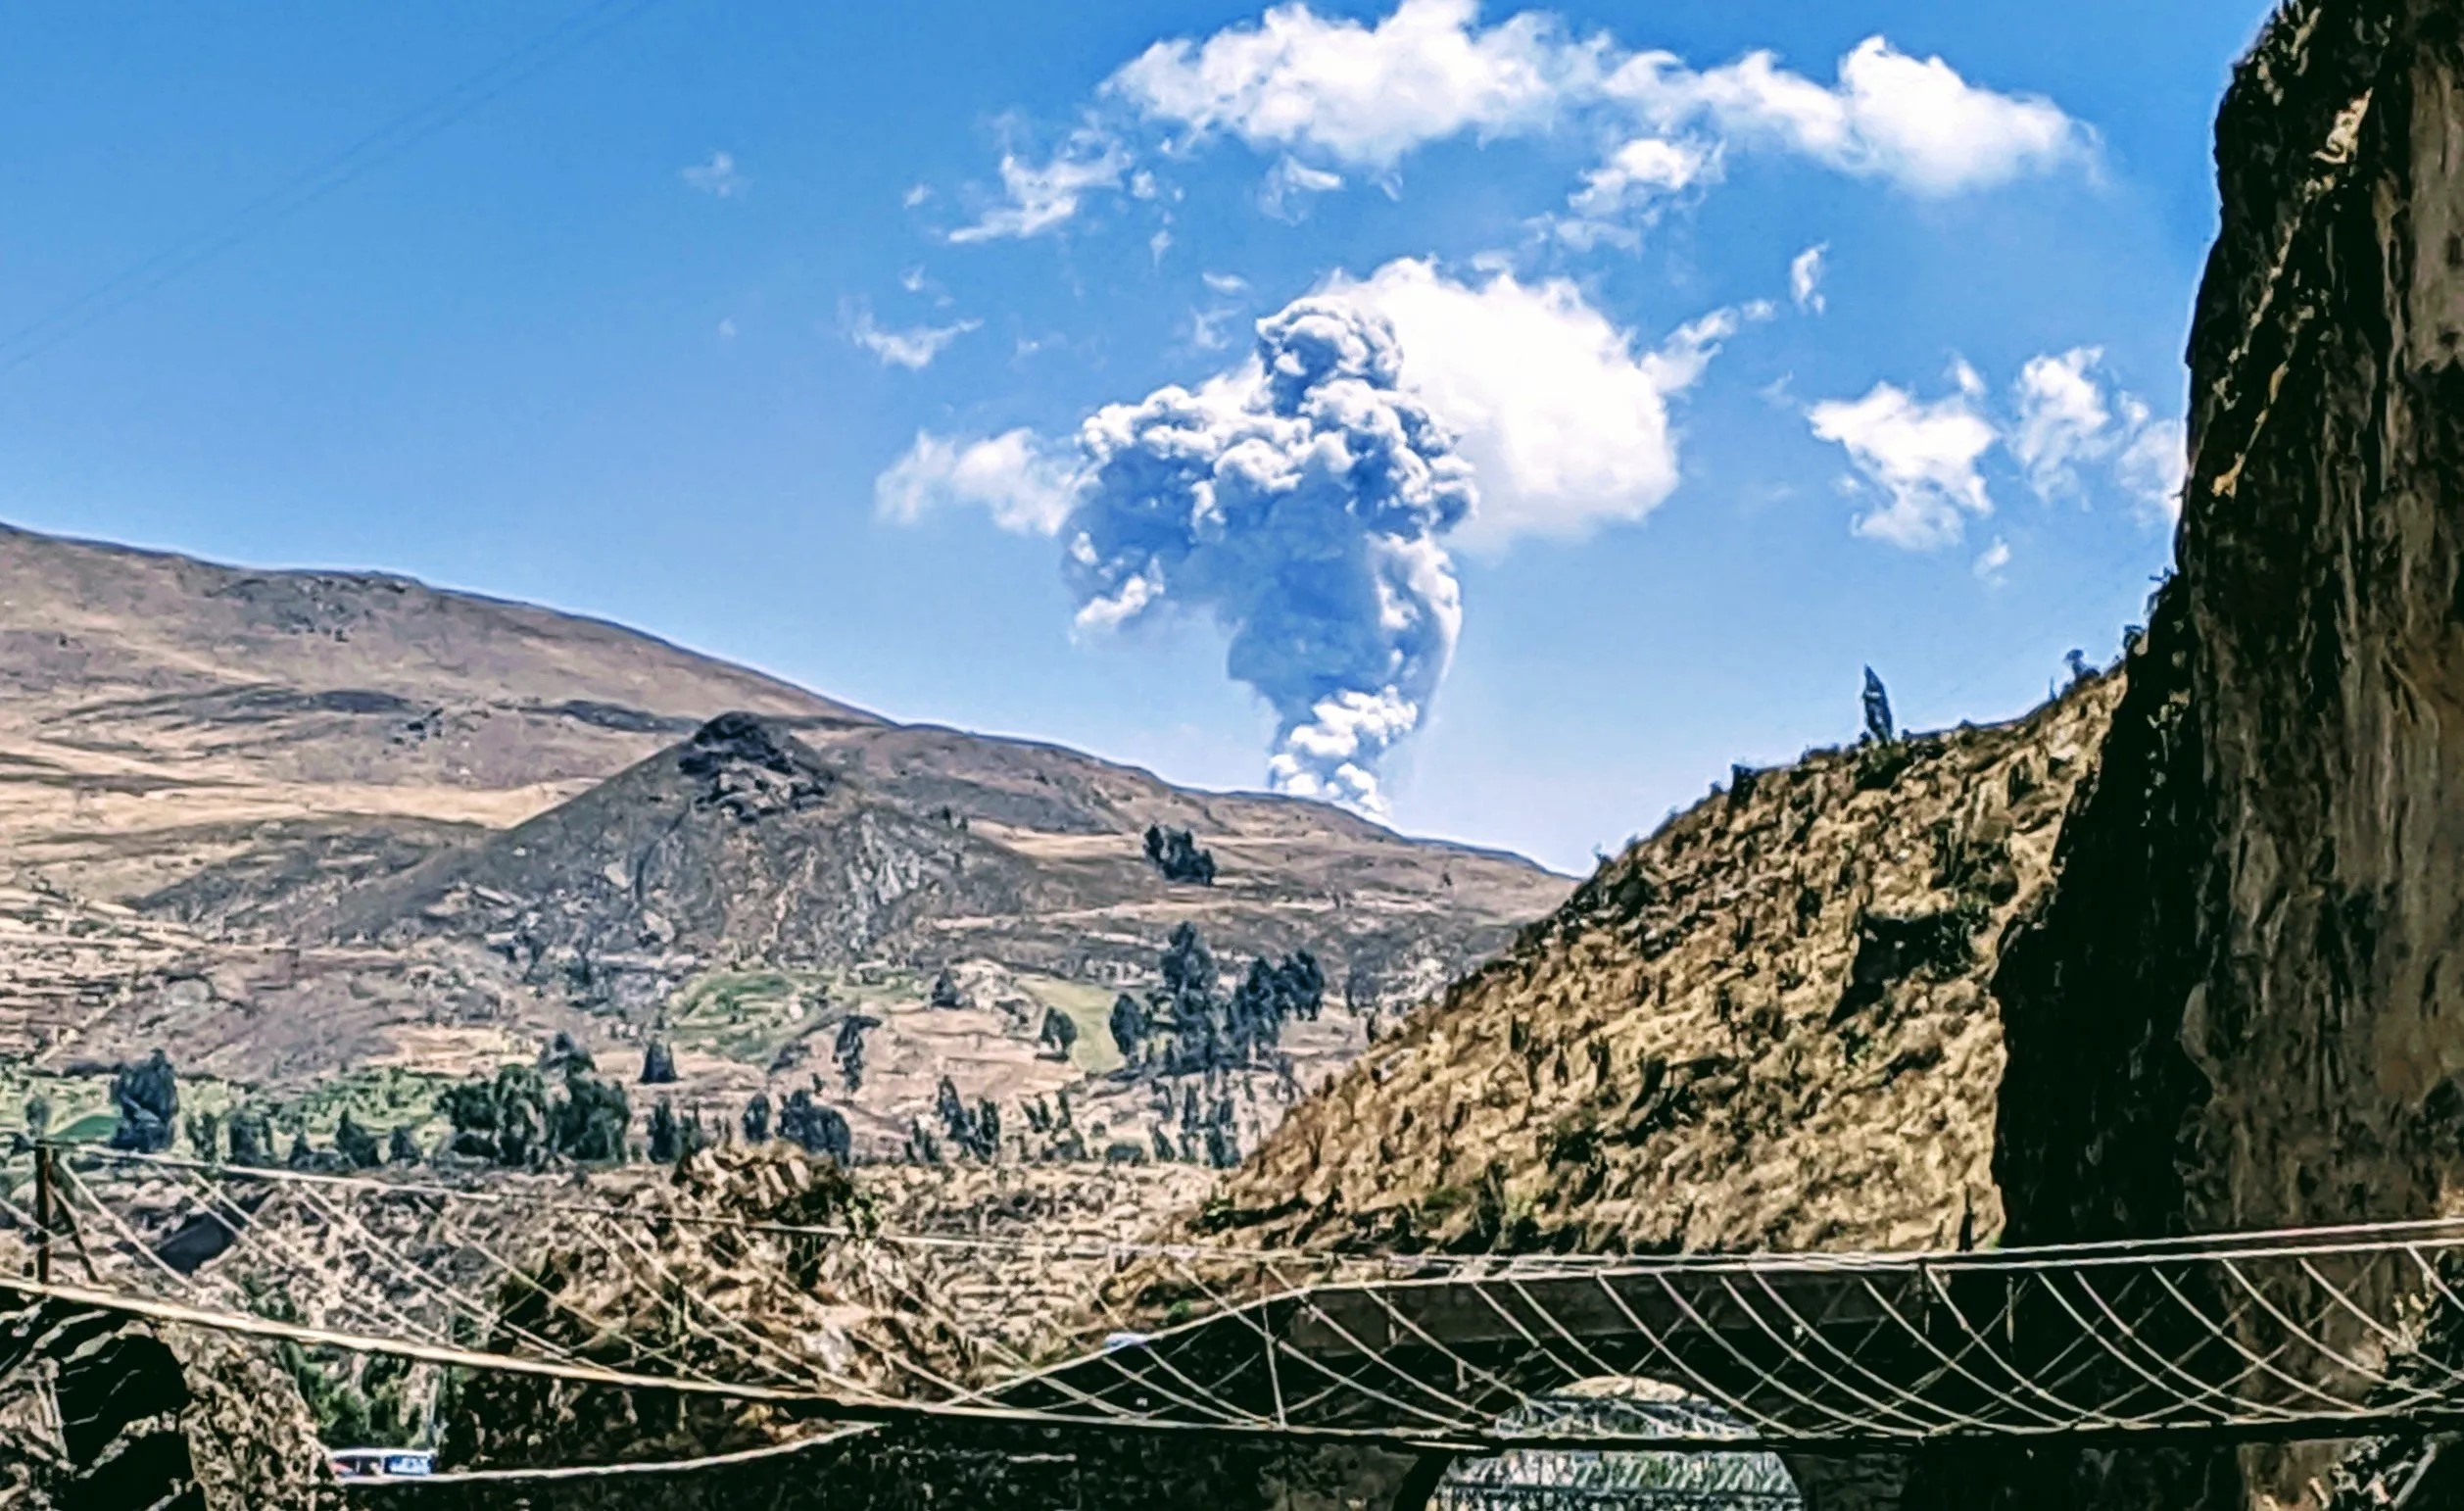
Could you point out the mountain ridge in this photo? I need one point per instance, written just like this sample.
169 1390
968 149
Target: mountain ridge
228 787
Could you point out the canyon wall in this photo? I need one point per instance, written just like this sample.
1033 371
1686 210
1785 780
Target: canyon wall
2239 1005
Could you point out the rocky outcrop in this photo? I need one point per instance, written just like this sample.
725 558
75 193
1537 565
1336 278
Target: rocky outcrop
2240 1005
99 1412
739 843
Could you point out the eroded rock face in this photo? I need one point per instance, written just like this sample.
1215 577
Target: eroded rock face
2244 1004
2298 718
2264 890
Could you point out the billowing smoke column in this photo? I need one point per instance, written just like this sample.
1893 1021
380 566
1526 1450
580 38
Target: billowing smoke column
1299 501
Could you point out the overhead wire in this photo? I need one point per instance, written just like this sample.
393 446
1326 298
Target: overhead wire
317 180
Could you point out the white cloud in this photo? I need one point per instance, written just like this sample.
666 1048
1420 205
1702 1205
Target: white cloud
1991 562
2063 419
1921 457
1912 121
1646 167
913 349
727 328
1206 328
2070 416
719 177
1226 283
1357 94
917 194
1039 197
1325 93
1565 424
1632 186
1804 278
1026 486
1287 180
2154 464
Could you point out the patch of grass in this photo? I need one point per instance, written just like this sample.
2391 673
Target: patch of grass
94 1126
746 1015
1090 1008
384 1099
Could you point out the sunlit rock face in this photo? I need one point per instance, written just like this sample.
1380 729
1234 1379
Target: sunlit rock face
2242 1004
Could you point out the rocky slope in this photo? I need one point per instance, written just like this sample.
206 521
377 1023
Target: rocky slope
308 824
1764 1027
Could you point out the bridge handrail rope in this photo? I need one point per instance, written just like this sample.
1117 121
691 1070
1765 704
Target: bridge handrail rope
2272 1332
2250 1243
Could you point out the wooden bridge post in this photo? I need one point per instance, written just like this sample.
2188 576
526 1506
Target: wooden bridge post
44 1218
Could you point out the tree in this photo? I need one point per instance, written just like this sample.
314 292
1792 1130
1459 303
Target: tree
302 1153
1059 1034
147 1096
976 1130
666 1133
1175 852
1188 965
356 1144
252 1138
1222 1146
1304 986
946 992
658 1065
401 1148
816 1128
1186 1012
848 1050
589 1122
1878 726
1128 1029
204 1136
503 1120
565 1055
757 1118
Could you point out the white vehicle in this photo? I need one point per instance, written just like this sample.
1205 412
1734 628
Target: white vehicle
382 1463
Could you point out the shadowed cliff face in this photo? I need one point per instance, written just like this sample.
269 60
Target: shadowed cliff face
2261 895
2242 1004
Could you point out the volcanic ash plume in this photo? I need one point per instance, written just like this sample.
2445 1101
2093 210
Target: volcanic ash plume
1299 500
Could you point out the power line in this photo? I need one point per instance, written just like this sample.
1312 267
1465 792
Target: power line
314 182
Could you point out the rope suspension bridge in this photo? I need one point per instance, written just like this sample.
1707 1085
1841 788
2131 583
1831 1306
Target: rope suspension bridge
588 1282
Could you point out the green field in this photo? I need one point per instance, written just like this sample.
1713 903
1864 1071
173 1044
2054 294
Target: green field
1091 1008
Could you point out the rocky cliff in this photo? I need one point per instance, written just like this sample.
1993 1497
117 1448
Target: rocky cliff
2240 1006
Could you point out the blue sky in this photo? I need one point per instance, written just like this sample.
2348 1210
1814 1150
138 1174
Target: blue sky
698 324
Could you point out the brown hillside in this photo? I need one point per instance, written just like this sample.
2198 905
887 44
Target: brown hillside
1764 1027
303 825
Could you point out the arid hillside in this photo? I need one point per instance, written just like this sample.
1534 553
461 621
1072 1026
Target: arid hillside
1764 1027
298 826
